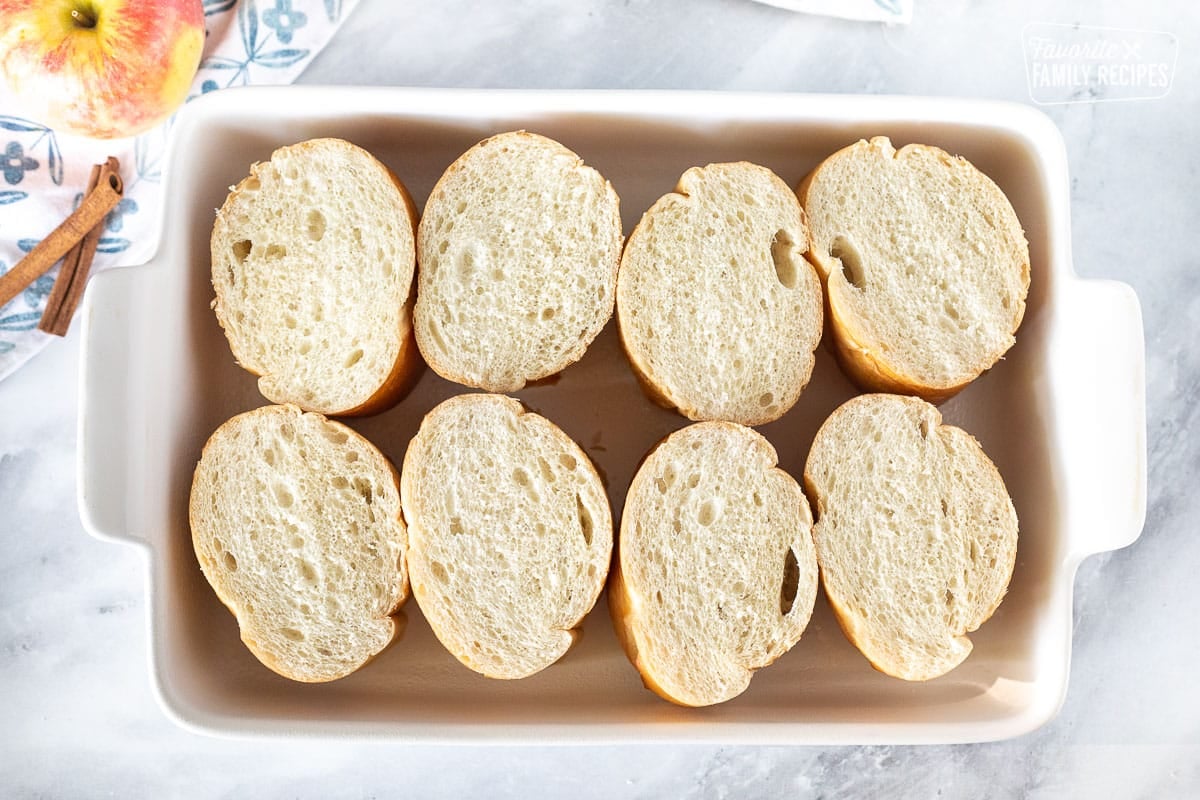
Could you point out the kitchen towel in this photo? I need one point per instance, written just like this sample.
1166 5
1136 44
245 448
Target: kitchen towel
43 172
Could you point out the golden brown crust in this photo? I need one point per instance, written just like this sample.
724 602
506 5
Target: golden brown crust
620 608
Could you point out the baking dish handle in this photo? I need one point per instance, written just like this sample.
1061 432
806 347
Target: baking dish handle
1103 375
108 470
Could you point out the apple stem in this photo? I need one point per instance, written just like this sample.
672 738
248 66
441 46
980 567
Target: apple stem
84 19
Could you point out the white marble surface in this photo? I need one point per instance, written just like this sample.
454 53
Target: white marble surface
78 715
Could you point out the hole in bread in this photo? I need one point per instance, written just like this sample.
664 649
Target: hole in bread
435 336
332 434
758 501
354 357
456 526
852 266
269 457
308 572
658 597
585 520
693 480
924 428
304 348
765 399
946 513
282 496
363 487
790 584
230 562
540 529
351 456
547 473
520 477
548 313
292 634
783 253
297 542
241 250
438 570
276 251
314 225
709 511
466 265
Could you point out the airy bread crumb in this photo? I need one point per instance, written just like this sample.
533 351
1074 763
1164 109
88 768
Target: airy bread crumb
925 265
510 533
717 572
296 523
916 535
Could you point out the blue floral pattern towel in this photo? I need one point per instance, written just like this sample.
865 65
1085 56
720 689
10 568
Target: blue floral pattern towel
43 172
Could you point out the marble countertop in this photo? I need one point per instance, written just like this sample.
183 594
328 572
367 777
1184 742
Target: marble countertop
79 717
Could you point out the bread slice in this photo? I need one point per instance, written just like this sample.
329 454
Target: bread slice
719 311
313 257
510 533
717 574
518 245
926 267
916 535
296 523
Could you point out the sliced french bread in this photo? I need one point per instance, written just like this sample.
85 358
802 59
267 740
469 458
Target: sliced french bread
296 523
313 257
718 309
510 533
518 245
916 535
716 573
925 265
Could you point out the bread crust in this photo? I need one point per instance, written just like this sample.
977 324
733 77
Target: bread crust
870 370
407 367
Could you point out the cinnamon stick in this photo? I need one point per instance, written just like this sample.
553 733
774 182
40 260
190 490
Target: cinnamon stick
46 254
72 277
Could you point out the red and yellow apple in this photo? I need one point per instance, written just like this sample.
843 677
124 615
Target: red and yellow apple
101 68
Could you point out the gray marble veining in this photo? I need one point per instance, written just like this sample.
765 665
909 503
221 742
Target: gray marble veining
78 712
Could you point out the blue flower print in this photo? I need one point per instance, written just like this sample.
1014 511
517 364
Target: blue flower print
39 290
284 20
15 163
208 86
114 221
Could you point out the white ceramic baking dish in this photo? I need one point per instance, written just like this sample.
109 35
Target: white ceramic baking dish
1062 416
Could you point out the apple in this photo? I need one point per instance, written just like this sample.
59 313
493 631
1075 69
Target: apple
101 68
